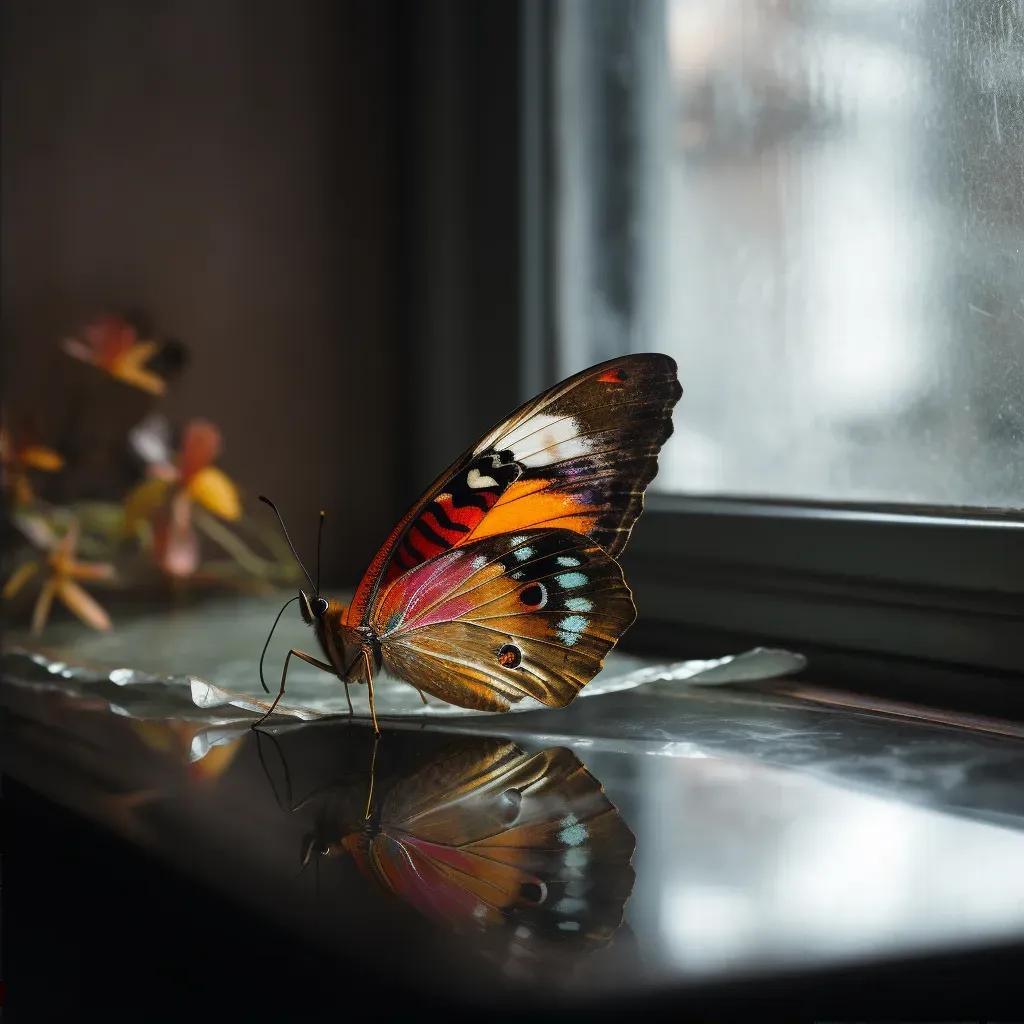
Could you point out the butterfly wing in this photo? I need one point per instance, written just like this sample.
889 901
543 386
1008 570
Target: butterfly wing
577 457
491 839
484 625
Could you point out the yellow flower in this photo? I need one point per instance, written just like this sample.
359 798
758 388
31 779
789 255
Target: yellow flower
19 455
111 344
166 499
61 570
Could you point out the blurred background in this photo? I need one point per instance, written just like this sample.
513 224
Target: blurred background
372 227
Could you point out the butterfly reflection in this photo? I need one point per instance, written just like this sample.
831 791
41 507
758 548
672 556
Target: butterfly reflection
522 851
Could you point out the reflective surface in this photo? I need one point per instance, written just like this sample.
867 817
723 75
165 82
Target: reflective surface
642 838
140 666
816 206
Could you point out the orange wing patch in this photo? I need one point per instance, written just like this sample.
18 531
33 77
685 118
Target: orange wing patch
529 504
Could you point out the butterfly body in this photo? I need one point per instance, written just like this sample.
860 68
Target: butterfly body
502 582
346 645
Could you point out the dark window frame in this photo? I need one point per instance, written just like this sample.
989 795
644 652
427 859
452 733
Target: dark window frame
934 593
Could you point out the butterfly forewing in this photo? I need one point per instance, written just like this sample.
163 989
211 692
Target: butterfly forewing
526 614
577 457
588 449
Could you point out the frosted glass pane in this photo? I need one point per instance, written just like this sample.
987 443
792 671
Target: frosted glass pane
817 208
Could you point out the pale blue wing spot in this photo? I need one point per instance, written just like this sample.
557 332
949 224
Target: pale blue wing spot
574 623
568 580
524 553
579 604
574 835
571 628
569 905
568 560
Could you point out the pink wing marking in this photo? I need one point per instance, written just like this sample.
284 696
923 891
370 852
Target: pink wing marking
416 877
422 593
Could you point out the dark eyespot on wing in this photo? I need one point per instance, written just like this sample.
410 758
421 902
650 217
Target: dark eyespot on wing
533 596
533 892
510 656
508 805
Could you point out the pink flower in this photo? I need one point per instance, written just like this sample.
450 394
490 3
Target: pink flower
166 499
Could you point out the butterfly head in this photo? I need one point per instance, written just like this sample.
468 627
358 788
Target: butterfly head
312 609
315 845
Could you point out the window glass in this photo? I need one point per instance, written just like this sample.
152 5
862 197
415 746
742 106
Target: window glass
817 207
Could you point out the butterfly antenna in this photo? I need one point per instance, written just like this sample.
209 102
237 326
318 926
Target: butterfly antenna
284 530
319 539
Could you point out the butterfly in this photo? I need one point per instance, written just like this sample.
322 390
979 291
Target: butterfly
501 582
524 851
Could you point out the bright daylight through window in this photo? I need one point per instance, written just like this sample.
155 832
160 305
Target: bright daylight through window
817 207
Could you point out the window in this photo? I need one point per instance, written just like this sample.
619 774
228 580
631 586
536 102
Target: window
817 207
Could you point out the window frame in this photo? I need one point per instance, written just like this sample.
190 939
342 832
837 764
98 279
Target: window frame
940 585
940 588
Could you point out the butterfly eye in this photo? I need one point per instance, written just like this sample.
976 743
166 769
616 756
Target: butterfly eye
534 596
510 656
320 606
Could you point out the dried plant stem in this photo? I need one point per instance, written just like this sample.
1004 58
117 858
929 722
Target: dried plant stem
231 543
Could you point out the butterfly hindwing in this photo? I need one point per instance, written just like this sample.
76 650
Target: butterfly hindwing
525 843
526 614
577 457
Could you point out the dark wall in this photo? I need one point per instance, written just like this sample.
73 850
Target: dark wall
231 167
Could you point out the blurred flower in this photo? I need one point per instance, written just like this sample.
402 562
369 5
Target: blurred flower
205 751
112 344
150 440
166 499
18 455
61 570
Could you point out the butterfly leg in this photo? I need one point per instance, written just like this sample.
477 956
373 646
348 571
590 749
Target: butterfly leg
373 769
369 683
422 698
344 679
284 674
